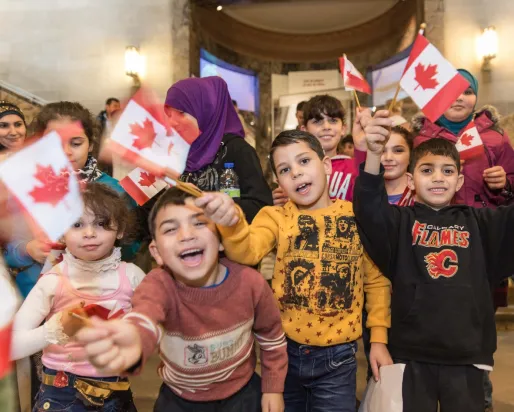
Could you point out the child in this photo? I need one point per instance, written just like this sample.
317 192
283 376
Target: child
28 255
203 312
442 261
346 146
395 160
93 278
324 117
320 277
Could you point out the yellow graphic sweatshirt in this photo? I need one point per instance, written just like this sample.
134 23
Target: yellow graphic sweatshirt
321 272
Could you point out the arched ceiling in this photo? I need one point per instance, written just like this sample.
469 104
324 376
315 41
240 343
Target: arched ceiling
308 17
304 30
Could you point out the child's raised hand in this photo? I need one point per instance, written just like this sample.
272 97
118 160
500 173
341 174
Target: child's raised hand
272 402
362 118
111 346
279 197
377 131
378 357
219 207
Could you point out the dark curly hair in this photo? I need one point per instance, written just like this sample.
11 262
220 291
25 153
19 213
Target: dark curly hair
110 207
72 110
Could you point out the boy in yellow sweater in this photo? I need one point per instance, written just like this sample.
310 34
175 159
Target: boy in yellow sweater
321 275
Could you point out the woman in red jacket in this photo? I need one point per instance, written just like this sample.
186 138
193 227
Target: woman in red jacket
489 177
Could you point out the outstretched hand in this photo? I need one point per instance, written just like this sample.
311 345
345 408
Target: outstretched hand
111 346
377 132
219 207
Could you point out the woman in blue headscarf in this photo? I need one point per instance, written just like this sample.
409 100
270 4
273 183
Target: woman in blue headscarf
489 176
207 102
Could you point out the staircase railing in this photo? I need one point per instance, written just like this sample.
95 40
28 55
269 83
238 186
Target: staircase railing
23 94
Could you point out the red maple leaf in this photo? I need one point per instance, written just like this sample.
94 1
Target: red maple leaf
146 179
145 136
352 78
425 76
466 139
55 187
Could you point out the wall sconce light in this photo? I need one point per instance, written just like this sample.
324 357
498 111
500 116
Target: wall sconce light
134 64
487 47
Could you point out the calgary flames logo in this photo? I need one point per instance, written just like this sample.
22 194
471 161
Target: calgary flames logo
443 263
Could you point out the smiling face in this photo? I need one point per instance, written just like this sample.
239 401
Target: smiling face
12 131
462 107
395 157
90 239
187 243
77 148
435 180
328 130
303 175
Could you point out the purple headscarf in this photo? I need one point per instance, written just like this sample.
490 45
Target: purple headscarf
209 102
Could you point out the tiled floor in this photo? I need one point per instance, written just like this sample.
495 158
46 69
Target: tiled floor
146 386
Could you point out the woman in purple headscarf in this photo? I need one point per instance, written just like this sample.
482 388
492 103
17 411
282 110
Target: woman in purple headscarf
207 101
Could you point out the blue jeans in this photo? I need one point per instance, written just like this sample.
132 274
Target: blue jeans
321 379
68 399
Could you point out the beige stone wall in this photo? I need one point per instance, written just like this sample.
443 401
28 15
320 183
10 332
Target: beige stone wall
74 49
463 21
29 109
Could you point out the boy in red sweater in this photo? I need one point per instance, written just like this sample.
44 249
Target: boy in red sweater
203 312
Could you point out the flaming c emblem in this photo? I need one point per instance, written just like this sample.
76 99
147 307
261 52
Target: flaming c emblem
443 263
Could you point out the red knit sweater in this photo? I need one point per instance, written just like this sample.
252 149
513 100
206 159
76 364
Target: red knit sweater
207 334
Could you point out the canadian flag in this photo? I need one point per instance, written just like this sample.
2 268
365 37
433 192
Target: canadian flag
470 143
109 309
352 78
141 185
145 137
41 178
432 82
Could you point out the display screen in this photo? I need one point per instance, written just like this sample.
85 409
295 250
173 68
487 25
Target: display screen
242 84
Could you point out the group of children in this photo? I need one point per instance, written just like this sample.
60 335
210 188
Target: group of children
205 311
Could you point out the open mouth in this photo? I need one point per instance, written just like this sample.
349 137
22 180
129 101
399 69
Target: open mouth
191 257
303 189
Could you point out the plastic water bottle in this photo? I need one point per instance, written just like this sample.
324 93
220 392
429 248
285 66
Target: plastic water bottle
229 183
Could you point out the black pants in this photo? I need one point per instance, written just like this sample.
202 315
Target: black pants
454 388
247 399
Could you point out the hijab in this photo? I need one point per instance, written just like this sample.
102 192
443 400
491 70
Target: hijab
208 101
456 127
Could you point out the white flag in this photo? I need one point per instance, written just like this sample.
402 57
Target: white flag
42 180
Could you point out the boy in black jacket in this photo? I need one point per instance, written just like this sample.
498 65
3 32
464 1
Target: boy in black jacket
443 261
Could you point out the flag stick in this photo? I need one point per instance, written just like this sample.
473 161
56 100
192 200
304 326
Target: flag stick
172 178
356 99
86 321
422 28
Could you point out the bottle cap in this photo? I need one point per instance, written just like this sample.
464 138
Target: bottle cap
229 165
